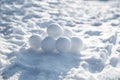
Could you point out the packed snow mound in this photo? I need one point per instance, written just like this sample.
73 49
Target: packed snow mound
56 40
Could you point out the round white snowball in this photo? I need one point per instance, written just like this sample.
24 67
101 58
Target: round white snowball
63 44
76 44
48 44
35 42
54 30
67 32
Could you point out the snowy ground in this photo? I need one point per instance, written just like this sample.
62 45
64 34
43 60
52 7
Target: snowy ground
97 23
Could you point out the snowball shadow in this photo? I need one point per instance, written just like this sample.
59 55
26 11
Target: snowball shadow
38 65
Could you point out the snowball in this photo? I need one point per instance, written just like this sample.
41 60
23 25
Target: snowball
35 42
76 44
63 44
67 32
48 44
54 30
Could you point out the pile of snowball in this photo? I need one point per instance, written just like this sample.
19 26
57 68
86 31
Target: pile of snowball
58 39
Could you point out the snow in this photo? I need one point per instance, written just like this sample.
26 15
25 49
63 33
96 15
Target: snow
67 32
59 40
35 42
48 44
54 30
63 44
114 61
76 44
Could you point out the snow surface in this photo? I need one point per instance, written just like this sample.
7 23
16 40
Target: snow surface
96 23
